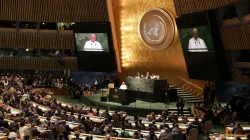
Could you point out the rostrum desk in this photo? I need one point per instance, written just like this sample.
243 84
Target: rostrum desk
152 90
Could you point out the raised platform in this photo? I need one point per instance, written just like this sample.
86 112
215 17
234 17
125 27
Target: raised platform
139 107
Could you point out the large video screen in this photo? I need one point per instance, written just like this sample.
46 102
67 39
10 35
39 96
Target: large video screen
94 47
198 45
91 42
196 39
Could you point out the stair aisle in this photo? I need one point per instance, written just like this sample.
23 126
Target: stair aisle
187 97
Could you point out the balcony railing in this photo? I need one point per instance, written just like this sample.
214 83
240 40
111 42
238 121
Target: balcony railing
43 31
189 86
46 63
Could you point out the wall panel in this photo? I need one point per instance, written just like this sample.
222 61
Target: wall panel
35 63
42 41
54 10
239 78
184 7
236 37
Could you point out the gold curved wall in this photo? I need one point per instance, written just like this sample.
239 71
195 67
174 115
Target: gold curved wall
135 56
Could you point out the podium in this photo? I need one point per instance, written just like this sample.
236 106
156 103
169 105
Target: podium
121 96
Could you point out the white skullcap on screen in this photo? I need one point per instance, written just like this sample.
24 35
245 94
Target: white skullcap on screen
195 29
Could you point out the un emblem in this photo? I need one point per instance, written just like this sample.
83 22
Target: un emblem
156 29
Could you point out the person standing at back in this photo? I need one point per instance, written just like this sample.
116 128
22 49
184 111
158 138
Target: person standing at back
180 106
205 94
212 96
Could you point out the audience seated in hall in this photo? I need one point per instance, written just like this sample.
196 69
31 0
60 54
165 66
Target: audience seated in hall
151 135
142 126
238 128
127 125
115 118
3 123
190 126
166 135
42 110
151 117
77 136
33 130
183 120
176 129
124 133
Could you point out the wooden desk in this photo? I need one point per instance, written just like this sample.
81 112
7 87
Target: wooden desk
3 137
13 110
146 123
228 136
9 121
190 119
43 108
72 125
95 119
245 128
143 132
97 137
24 97
94 109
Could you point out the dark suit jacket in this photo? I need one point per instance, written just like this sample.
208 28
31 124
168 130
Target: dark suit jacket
136 127
142 126
127 126
67 128
95 133
88 125
4 124
76 139
116 119
14 125
188 129
34 131
39 111
176 130
53 129
236 128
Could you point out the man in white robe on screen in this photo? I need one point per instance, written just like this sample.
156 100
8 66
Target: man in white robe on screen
196 44
92 44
